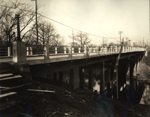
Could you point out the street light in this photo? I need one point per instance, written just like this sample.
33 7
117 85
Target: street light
36 18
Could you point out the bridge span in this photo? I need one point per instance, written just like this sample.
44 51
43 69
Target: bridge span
76 63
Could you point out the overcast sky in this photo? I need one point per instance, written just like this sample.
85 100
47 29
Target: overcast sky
103 18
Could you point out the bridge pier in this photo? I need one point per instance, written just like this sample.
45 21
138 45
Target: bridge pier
102 78
74 77
108 80
82 79
61 77
91 80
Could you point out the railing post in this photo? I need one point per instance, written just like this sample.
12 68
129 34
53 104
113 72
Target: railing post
79 50
94 50
73 50
64 50
46 52
70 51
111 49
104 50
122 48
31 53
55 50
86 51
116 49
97 49
27 51
9 51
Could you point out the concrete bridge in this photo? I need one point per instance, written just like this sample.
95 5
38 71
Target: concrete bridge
103 59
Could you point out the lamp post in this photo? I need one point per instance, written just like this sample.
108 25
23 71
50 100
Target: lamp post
36 18
18 27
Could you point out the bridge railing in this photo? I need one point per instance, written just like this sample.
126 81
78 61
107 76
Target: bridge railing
39 50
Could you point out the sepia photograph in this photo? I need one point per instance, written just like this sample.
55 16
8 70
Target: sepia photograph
74 58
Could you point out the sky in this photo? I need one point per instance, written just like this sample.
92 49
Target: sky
103 18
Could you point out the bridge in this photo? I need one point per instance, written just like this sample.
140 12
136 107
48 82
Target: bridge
52 67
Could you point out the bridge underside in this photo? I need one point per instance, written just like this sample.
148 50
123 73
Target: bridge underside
80 73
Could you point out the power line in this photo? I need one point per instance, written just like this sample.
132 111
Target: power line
62 23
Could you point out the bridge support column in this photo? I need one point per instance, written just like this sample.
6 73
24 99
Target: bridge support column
61 77
90 79
115 82
46 52
74 78
108 81
55 77
82 80
102 78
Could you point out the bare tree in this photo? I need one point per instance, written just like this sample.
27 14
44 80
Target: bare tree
8 21
82 38
47 33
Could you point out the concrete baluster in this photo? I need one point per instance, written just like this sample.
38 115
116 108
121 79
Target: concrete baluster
27 51
64 50
104 50
116 49
70 51
9 51
55 50
86 50
79 50
31 53
46 52
94 50
111 49
122 48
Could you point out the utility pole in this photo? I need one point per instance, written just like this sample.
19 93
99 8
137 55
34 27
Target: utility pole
120 32
143 41
103 42
127 41
73 37
36 19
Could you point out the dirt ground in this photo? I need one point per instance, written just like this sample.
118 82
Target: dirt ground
65 103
